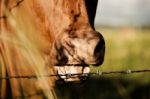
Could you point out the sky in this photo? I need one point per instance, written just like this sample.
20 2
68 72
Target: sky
123 13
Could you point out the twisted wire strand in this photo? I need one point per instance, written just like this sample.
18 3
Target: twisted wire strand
97 73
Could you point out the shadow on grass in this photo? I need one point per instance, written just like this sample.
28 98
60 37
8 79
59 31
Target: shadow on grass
103 88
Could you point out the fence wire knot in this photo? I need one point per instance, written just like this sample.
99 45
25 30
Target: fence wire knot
128 71
68 75
99 73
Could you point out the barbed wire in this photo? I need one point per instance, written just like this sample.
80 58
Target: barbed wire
97 73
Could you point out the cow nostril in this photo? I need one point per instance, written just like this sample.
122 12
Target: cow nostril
99 52
98 48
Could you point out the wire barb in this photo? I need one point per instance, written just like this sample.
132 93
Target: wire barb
99 73
128 71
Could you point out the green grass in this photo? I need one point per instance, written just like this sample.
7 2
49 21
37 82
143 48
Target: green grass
127 48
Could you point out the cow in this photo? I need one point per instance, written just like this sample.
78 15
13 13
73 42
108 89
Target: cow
40 37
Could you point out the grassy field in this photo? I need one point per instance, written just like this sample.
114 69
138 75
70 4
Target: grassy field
127 48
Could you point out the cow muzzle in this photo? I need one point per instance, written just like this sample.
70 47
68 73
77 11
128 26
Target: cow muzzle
76 54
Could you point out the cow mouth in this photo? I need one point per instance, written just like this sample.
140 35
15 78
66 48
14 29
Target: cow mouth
73 73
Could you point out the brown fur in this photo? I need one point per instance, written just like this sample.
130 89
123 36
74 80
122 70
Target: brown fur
35 35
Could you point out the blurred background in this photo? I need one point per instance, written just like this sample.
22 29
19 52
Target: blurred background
125 25
123 13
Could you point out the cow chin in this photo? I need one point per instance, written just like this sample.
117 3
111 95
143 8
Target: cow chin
72 73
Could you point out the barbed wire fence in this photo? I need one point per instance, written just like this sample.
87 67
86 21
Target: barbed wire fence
97 73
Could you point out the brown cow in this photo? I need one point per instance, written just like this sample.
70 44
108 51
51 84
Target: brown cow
37 35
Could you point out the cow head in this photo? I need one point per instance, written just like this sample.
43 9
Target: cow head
66 32
76 51
77 44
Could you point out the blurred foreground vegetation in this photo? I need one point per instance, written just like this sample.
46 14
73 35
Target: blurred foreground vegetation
126 48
